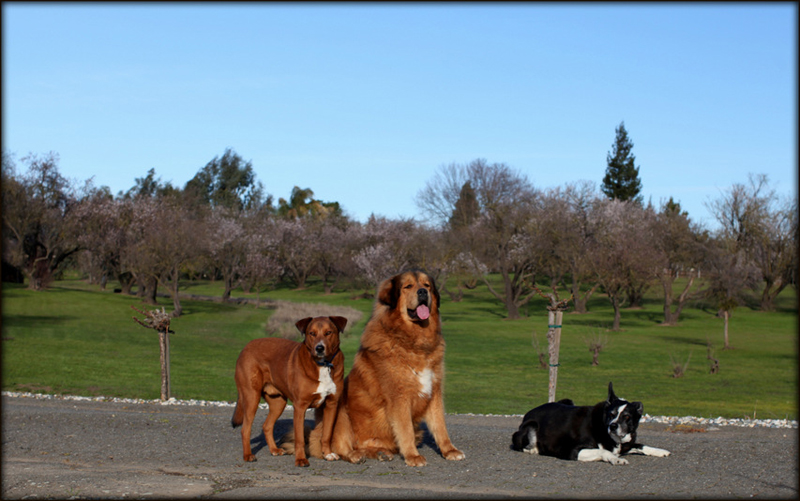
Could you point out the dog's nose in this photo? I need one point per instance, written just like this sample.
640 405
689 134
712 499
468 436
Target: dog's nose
320 349
422 295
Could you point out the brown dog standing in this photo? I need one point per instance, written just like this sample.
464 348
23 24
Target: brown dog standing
310 374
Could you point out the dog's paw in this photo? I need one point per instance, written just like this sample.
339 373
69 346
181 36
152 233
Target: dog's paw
331 456
416 460
454 455
249 458
301 462
655 451
614 459
277 452
355 457
384 455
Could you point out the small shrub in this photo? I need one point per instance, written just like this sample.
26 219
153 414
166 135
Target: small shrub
596 344
678 369
287 313
539 352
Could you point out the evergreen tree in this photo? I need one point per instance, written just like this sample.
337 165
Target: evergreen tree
621 181
466 209
227 181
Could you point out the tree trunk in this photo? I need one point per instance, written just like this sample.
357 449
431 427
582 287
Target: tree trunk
725 319
150 290
666 285
226 293
176 298
670 317
125 282
615 304
580 300
507 299
768 295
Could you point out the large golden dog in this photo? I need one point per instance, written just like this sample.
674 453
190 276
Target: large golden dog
396 379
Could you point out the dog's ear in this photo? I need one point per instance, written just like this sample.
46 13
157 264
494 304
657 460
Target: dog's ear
611 396
639 407
302 324
434 290
339 322
388 292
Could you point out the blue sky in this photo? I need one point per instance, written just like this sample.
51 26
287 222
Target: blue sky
362 103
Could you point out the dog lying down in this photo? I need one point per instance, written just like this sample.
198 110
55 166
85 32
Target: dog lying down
603 432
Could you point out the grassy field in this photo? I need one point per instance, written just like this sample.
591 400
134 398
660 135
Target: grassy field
76 339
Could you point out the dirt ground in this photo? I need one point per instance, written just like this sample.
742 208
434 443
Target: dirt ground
84 449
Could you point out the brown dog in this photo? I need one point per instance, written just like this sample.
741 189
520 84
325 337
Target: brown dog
396 379
310 374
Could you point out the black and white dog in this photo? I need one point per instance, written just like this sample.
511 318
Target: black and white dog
600 433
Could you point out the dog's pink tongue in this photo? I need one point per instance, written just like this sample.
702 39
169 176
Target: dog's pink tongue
423 312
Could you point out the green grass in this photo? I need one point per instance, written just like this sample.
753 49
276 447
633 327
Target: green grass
75 339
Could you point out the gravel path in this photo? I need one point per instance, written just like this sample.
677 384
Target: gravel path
53 448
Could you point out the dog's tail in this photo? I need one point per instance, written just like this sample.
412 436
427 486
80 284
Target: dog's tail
521 438
313 441
238 416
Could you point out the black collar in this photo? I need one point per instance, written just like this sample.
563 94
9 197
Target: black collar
324 363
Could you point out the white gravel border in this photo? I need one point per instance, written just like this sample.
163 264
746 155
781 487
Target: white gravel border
647 418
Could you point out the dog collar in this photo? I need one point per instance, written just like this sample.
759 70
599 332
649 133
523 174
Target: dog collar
324 363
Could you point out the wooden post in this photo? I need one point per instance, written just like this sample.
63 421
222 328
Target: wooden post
163 339
554 341
159 320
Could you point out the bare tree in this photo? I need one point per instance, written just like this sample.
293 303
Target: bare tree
500 236
577 240
754 220
261 263
622 250
105 233
729 274
40 219
679 247
295 249
385 248
166 237
335 238
226 247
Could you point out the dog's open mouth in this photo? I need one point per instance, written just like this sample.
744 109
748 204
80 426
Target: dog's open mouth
422 312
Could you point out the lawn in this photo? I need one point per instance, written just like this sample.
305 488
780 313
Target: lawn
76 339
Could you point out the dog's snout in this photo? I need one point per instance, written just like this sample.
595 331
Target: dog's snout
422 295
320 348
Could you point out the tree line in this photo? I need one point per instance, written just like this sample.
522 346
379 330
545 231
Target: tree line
480 218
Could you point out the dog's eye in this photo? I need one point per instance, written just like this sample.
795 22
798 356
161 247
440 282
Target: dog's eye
409 286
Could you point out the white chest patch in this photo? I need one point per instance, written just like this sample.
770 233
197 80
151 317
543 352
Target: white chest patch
425 383
326 385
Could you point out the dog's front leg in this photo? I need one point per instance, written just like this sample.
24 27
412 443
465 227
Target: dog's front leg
600 455
403 430
300 458
328 420
434 417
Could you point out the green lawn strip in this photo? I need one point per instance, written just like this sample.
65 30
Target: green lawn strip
75 339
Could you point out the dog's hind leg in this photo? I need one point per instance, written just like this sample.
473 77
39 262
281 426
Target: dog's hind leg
524 439
276 406
247 406
343 438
